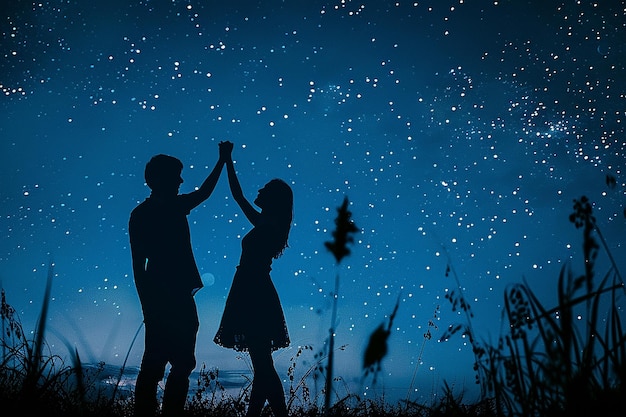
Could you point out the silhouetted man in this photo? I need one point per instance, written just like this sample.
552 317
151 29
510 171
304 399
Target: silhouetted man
166 277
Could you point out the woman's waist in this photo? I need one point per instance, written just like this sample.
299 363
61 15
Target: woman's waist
254 268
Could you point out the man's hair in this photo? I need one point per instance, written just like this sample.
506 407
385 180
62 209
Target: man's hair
161 167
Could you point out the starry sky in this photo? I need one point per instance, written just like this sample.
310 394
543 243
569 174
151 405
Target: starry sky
460 131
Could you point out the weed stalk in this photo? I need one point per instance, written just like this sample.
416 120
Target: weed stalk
343 235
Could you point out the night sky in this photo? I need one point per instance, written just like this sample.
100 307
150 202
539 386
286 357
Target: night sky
460 131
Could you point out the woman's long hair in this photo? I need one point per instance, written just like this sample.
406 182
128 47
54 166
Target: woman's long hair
278 213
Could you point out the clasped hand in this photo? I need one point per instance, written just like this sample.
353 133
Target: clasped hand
226 149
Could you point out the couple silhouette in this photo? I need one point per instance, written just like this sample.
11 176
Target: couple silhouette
167 278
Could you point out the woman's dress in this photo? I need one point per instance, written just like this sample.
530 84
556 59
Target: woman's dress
253 315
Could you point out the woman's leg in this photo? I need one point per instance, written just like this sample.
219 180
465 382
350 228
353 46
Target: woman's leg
266 384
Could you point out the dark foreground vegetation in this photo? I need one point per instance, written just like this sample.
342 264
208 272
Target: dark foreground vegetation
568 360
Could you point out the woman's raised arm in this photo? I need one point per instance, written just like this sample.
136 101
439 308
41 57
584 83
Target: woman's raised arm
235 188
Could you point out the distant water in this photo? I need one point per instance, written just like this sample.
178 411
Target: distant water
233 382
110 376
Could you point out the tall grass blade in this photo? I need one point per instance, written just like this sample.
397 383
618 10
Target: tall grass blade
331 348
34 367
119 376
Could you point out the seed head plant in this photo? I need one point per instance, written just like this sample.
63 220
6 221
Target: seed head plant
343 236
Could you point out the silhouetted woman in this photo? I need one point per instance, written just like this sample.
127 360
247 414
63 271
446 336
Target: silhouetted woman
253 318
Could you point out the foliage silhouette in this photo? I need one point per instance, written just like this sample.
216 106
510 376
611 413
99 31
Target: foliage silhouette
377 348
35 382
344 229
564 361
426 337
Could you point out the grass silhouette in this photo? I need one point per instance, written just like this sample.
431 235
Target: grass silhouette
568 360
35 382
342 237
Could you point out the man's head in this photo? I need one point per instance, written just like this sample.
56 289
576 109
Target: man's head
162 174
